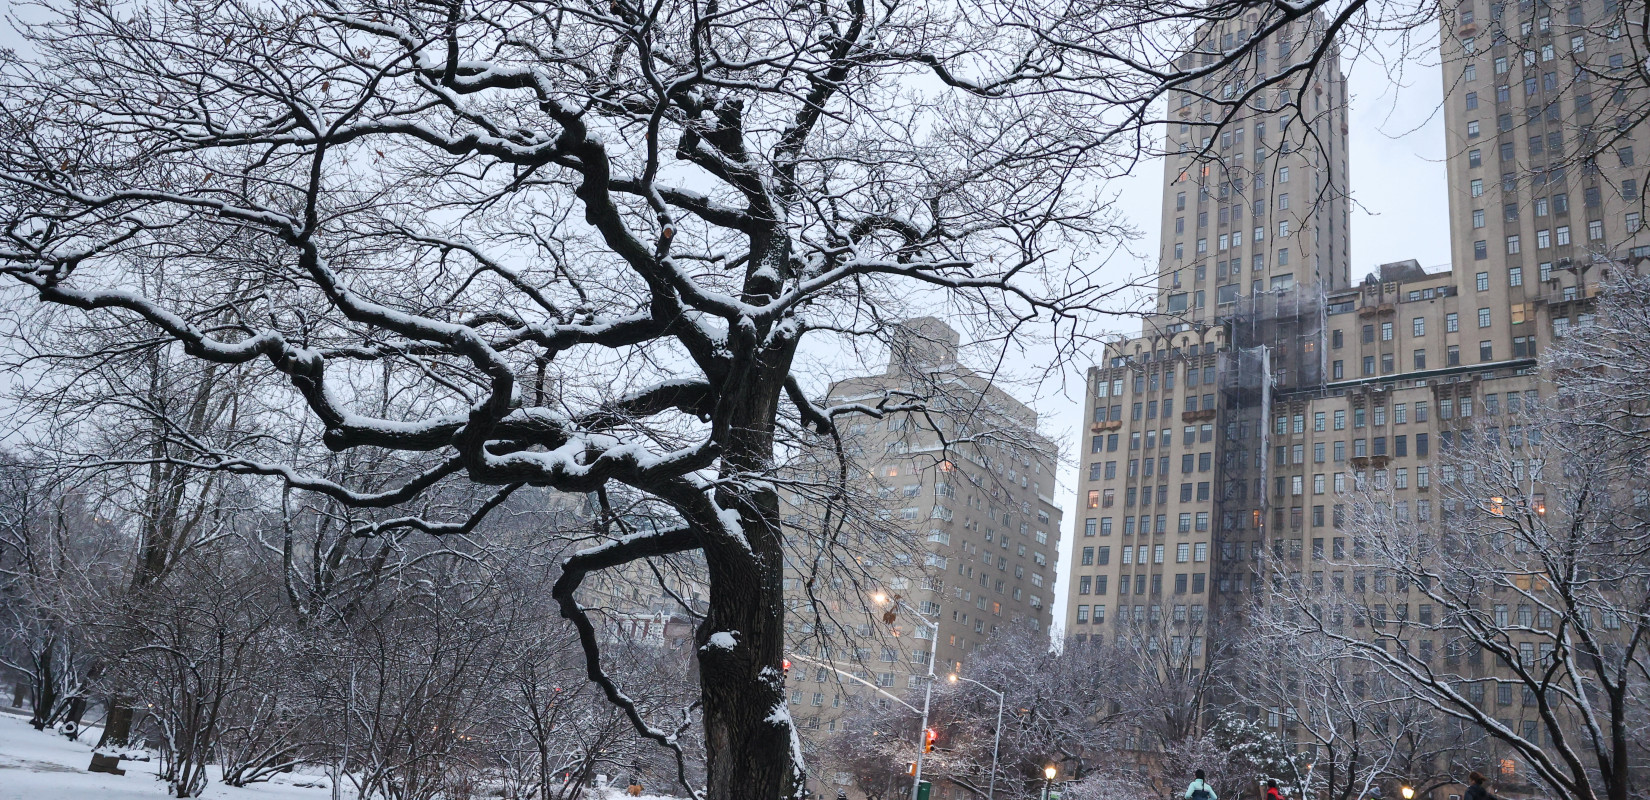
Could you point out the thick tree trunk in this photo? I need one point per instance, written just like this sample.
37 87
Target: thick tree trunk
747 728
749 735
117 724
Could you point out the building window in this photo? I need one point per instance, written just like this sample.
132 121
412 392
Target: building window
1451 322
1485 351
1482 281
1480 250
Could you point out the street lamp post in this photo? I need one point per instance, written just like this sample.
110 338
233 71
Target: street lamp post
1048 779
928 693
991 793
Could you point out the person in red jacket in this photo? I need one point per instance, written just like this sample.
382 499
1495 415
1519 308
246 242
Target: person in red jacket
1272 792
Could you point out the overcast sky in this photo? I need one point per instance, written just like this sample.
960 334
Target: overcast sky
1399 211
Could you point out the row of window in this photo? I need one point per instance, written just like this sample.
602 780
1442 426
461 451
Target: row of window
1184 583
1149 408
1448 408
1184 552
1182 613
1559 237
1522 347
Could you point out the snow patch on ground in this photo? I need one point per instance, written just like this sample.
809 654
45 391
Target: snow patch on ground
43 765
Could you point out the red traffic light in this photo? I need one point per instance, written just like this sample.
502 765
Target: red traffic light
928 740
786 664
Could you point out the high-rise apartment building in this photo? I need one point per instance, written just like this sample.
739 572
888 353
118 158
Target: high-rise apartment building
1540 117
960 526
1221 440
1255 214
1254 182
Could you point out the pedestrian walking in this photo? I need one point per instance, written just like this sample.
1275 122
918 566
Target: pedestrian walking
1476 790
1272 791
1199 789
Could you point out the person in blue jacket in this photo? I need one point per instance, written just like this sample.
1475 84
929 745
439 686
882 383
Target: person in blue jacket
1199 789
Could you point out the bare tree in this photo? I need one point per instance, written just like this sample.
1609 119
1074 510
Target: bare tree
582 244
58 557
1510 596
1360 733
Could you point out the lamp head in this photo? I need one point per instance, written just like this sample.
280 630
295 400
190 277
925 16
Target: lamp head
880 598
1408 792
1049 772
953 678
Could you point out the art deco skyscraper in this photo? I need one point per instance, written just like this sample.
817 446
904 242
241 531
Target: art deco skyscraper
1228 442
1254 238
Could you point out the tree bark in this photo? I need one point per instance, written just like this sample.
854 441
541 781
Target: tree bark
750 739
117 724
748 732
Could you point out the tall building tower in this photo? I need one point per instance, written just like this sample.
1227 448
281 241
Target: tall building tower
1226 442
1254 241
1254 181
962 529
1544 185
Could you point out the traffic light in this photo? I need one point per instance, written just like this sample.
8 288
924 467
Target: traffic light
928 740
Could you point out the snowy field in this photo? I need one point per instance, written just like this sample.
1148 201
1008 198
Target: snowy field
37 765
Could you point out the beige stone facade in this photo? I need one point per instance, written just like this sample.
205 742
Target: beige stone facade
964 491
1219 439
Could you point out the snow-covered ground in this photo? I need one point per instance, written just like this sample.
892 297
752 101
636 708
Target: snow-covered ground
37 765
